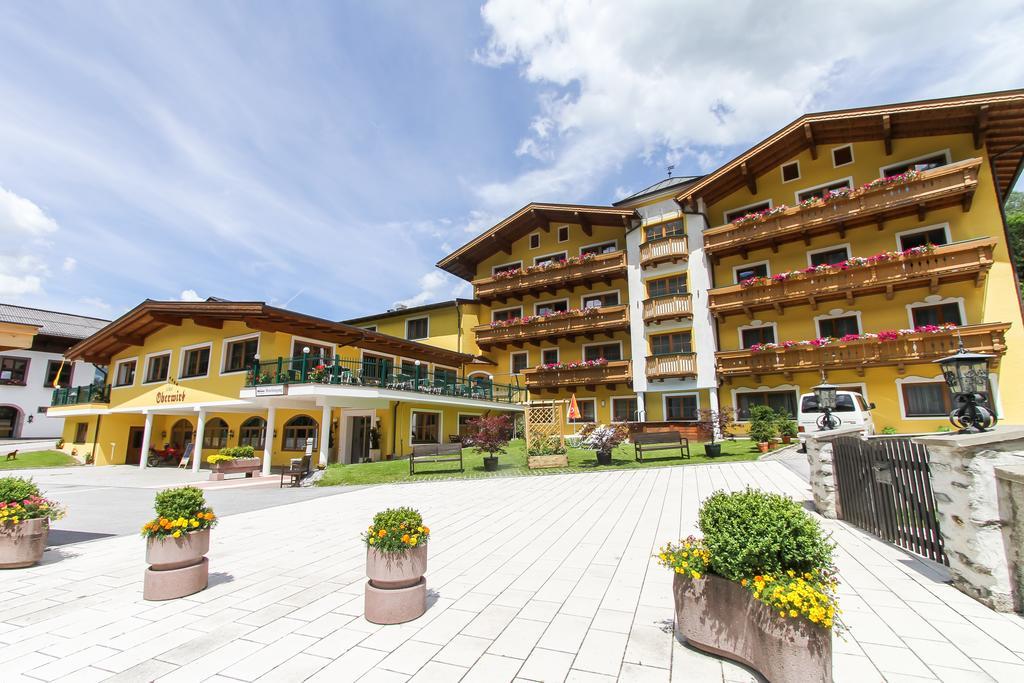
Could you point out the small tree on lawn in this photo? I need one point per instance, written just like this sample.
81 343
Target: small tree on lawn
489 434
715 424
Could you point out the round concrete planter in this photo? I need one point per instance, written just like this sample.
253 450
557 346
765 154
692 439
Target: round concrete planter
22 545
178 566
396 591
721 617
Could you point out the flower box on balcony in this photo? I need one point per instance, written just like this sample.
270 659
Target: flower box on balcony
571 323
567 273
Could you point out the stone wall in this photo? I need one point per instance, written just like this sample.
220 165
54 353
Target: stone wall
1010 485
819 457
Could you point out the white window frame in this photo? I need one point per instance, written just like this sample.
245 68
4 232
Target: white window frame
548 302
936 300
927 228
609 342
590 399
558 354
794 388
834 247
511 365
664 405
832 154
530 239
118 364
507 308
838 313
917 379
409 320
848 179
945 152
736 269
310 340
145 367
584 297
726 212
505 266
459 416
380 354
599 244
625 397
558 233
799 171
755 325
181 360
230 340
440 424
563 254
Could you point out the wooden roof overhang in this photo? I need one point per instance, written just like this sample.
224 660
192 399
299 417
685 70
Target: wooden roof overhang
463 261
995 120
132 328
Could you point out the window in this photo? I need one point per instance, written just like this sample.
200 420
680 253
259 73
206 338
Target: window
411 370
241 354
549 356
588 410
550 258
829 256
426 427
790 171
506 267
663 230
417 328
596 249
549 307
681 408
13 370
81 432
376 368
666 286
195 362
563 233
296 431
841 156
315 350
923 164
938 314
612 351
534 241
757 335
445 375
181 434
124 373
506 314
838 327
776 400
624 409
926 399
158 368
520 361
673 342
253 432
466 424
730 216
215 434
746 272
820 191
936 236
599 300
65 370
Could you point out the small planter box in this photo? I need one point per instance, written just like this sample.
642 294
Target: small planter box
178 566
22 545
396 591
721 617
249 466
537 462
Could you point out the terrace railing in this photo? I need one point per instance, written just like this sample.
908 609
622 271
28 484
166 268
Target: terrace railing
590 321
605 267
87 393
669 249
668 307
672 366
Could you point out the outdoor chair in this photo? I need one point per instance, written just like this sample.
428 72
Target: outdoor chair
296 471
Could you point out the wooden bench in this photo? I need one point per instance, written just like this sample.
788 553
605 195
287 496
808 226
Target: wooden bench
645 442
426 454
296 471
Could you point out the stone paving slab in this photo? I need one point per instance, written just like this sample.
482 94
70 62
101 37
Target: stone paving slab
531 578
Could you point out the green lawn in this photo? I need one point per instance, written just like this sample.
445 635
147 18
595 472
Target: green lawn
513 463
37 459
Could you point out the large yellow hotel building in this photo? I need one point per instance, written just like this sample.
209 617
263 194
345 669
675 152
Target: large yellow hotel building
863 244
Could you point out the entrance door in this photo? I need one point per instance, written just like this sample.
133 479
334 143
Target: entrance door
9 422
134 452
360 445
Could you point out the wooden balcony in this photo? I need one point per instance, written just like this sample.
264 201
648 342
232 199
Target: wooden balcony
671 307
614 373
605 320
968 260
864 353
667 250
602 268
938 188
672 366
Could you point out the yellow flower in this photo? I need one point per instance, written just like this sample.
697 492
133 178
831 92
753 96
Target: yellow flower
176 534
793 612
695 575
373 540
743 582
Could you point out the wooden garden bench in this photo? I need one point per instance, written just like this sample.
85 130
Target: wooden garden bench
646 442
426 454
296 471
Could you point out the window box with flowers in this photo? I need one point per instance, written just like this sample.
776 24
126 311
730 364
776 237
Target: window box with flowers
24 522
177 541
396 560
236 460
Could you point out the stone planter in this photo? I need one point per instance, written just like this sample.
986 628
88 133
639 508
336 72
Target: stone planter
178 566
396 591
22 545
722 618
249 466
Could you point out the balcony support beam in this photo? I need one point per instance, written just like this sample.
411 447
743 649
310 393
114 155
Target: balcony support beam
981 127
809 138
749 178
887 133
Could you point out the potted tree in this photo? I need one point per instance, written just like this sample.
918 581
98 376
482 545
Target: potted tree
489 435
24 522
762 426
177 541
396 560
603 439
759 587
714 424
786 427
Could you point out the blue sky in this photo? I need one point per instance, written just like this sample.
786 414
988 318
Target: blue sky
324 155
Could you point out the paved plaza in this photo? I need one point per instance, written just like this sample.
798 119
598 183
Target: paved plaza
533 578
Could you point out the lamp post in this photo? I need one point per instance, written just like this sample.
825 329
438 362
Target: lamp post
966 373
825 394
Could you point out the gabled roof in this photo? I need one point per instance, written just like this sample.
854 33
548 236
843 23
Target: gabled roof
534 216
397 312
657 188
132 328
52 323
993 118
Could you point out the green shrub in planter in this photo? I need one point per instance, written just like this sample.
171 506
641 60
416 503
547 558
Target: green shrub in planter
184 501
763 424
785 424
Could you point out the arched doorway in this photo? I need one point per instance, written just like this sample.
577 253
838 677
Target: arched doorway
181 434
10 422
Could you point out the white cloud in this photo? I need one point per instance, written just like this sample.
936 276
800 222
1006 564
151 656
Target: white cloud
23 226
436 286
190 295
20 216
95 303
70 263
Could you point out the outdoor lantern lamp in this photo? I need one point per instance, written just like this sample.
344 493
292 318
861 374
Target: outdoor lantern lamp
825 394
305 349
966 373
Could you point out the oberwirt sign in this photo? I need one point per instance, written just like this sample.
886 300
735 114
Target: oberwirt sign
170 396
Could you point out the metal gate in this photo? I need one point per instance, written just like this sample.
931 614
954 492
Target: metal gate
884 488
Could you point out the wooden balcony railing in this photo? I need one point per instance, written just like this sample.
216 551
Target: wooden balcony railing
670 307
607 319
614 372
934 189
968 260
672 366
604 267
858 355
670 249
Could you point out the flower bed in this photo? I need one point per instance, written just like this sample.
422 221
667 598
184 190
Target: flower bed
549 265
544 317
851 263
574 365
884 335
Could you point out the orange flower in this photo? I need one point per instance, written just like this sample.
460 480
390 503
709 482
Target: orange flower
405 538
382 533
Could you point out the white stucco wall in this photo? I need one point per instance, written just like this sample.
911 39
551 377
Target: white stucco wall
36 394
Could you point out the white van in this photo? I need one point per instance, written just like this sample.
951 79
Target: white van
851 409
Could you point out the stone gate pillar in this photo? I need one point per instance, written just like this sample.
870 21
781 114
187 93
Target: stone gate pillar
823 479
